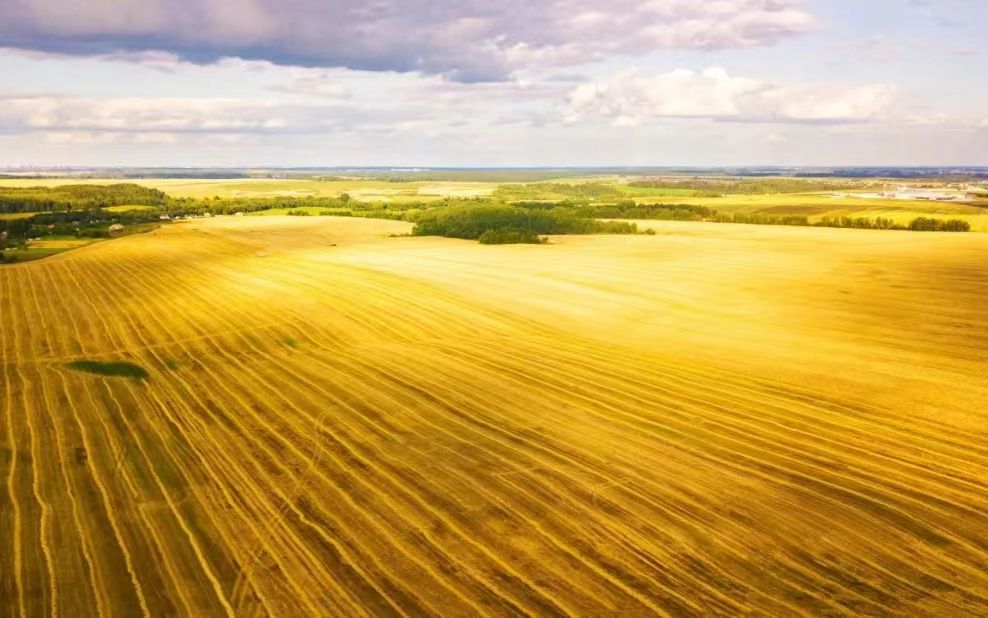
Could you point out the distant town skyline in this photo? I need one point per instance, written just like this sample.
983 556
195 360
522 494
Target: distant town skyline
257 83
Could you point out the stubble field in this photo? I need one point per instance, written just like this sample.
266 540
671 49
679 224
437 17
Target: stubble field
714 420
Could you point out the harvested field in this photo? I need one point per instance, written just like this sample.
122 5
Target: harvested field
715 420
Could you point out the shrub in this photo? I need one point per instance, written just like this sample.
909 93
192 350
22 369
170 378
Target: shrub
471 222
508 236
116 369
956 225
630 210
863 223
759 219
928 224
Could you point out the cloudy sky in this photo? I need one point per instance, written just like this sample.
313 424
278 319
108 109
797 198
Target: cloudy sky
493 82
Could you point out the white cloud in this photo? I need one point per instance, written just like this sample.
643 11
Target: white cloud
109 137
935 119
141 115
468 40
630 99
423 106
881 49
775 138
324 84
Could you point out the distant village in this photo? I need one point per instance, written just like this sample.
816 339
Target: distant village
954 193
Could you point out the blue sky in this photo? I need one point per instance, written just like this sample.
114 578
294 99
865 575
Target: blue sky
466 82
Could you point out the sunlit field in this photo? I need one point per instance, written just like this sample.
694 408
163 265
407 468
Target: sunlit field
434 309
300 416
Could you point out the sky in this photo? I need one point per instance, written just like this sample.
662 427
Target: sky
230 83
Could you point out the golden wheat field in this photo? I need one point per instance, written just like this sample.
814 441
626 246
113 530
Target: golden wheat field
713 421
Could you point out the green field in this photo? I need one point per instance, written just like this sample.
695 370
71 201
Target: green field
51 245
29 254
601 190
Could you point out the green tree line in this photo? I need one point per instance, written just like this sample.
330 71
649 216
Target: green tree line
77 197
712 187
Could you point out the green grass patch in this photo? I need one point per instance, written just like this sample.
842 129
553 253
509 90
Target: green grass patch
14 256
118 369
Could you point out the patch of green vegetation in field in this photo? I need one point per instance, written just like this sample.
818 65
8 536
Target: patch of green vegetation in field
14 256
505 224
120 369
